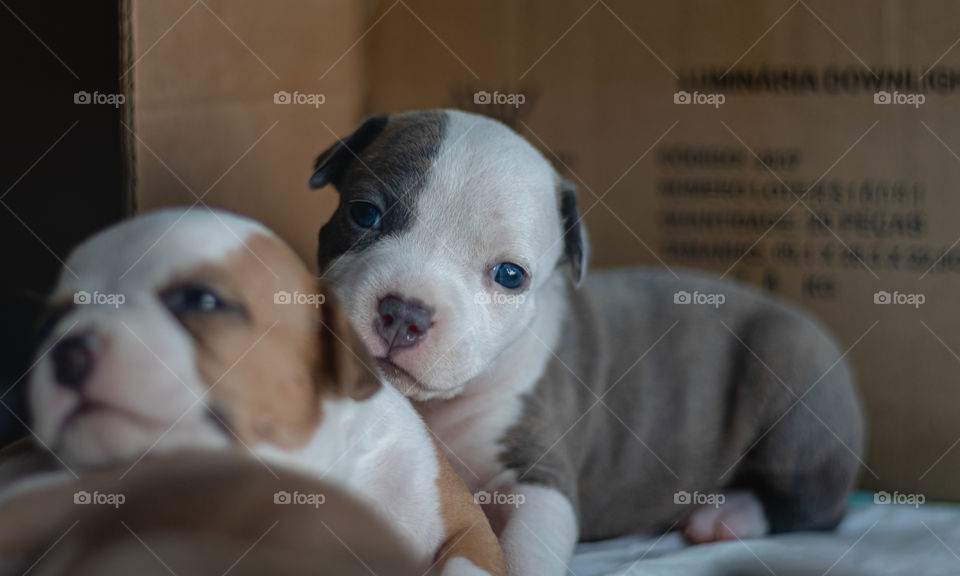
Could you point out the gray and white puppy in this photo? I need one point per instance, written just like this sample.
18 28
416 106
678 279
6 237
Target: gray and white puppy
639 401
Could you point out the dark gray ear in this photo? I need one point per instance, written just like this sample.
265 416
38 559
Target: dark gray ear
576 249
332 164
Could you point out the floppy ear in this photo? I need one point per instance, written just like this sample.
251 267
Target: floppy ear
344 361
332 164
575 246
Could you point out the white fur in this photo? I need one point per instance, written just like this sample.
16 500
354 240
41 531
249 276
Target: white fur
379 450
141 253
460 566
472 424
540 534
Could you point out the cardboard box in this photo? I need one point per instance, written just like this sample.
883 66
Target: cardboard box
233 101
663 182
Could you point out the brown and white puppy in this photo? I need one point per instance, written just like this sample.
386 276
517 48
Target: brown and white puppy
202 329
586 413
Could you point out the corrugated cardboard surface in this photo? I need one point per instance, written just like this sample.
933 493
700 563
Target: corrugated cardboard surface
205 75
680 185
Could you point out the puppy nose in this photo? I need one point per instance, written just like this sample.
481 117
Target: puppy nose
403 322
73 359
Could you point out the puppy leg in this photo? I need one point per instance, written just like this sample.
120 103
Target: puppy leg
811 496
740 516
470 548
540 531
805 468
469 553
811 434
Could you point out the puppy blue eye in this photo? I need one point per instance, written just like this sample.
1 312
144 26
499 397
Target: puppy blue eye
508 275
365 214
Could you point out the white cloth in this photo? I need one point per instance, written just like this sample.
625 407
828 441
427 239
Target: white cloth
873 539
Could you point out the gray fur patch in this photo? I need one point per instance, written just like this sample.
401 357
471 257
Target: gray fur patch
687 412
389 173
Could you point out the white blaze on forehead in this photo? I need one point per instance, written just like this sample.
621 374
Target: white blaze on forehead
145 251
489 194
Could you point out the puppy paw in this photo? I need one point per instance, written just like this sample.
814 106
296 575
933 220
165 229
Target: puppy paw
740 516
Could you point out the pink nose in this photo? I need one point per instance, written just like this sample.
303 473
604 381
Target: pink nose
403 322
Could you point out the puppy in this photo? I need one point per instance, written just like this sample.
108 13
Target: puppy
196 329
586 413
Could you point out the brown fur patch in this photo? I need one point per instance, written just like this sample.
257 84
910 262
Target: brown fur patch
189 509
468 533
270 364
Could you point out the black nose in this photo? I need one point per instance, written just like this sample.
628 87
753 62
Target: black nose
403 322
73 359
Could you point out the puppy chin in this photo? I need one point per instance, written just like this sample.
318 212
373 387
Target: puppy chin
106 436
412 387
420 393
